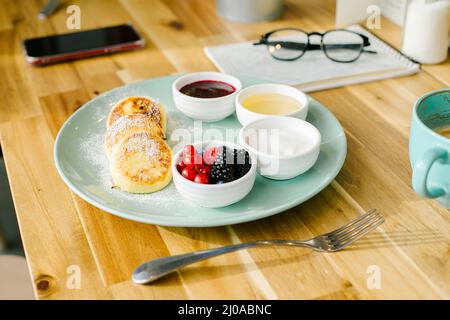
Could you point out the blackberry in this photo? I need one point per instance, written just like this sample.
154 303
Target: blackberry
242 162
222 173
223 169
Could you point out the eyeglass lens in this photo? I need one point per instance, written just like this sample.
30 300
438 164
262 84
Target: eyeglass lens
287 44
338 45
342 45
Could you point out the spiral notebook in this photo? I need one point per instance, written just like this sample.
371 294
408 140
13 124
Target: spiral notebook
313 71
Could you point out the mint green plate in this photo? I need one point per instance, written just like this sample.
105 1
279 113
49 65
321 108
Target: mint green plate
82 163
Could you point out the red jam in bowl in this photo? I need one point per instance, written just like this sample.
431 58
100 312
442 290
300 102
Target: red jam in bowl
208 89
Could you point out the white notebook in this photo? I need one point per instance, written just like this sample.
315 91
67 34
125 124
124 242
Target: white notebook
313 71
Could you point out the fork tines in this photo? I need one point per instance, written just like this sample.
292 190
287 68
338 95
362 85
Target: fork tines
354 230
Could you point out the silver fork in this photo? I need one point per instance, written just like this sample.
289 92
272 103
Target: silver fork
329 242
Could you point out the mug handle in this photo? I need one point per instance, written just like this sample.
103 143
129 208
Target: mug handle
421 170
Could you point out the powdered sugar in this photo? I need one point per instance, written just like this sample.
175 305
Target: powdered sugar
91 149
141 142
126 122
93 152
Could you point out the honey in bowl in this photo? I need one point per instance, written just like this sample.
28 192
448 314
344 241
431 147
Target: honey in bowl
208 89
271 104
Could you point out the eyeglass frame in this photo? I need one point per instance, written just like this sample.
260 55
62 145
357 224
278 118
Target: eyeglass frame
310 46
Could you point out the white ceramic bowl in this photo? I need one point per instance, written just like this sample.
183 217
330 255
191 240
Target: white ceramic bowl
246 116
282 167
214 195
205 109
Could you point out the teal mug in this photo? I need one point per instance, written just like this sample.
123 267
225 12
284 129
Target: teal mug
429 146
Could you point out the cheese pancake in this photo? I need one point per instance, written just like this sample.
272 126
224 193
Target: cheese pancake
134 104
128 125
140 163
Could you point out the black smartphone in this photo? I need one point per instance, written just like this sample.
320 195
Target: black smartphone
83 44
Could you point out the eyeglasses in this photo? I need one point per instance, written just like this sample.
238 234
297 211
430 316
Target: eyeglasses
339 45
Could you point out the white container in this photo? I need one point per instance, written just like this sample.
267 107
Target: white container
214 195
282 167
246 116
250 10
426 31
205 109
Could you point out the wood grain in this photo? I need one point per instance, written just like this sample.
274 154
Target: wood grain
60 230
54 236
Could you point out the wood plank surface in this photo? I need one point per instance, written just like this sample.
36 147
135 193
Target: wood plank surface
59 230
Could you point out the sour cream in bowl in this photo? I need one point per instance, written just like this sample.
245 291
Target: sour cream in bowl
285 147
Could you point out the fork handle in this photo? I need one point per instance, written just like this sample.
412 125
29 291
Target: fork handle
154 269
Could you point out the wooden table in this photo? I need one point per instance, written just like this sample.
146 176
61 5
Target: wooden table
62 234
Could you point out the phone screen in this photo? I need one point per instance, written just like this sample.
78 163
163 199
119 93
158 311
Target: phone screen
80 41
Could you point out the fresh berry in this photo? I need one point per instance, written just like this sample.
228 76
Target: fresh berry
190 156
242 162
188 150
188 160
193 159
189 173
209 156
180 166
216 165
223 170
224 156
198 159
205 169
201 178
222 173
